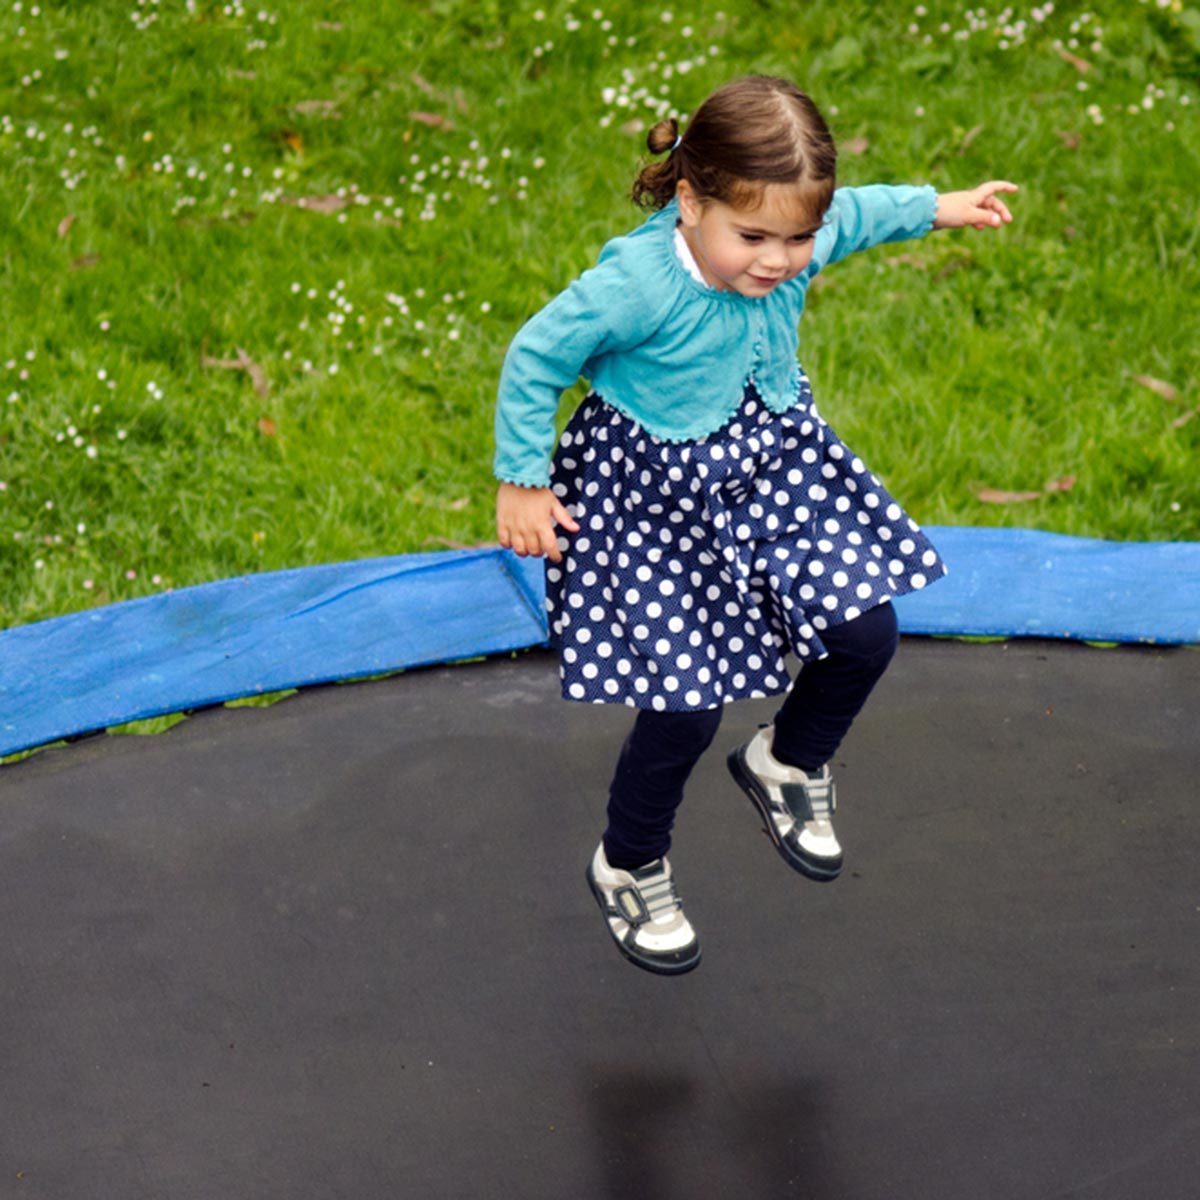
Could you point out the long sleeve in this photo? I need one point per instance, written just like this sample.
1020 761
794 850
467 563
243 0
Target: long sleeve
862 217
601 312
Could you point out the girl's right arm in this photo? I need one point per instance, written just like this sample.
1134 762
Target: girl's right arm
600 313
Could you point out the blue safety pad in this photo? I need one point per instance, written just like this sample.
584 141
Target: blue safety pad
1025 583
263 633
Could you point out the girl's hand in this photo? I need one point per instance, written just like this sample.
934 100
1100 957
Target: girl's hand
525 520
980 208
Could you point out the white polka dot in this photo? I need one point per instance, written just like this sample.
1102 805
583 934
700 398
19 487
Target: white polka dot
577 691
590 670
654 610
662 646
918 581
675 624
693 698
929 557
840 579
816 567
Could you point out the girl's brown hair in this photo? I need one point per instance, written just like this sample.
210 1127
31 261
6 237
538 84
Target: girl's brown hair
753 131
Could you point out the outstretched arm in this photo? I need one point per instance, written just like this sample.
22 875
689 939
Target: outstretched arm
981 207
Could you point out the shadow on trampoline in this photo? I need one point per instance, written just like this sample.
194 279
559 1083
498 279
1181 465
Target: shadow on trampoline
646 1125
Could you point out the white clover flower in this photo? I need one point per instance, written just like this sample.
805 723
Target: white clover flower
92 452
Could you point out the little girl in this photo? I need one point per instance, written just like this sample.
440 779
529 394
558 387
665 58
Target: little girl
714 522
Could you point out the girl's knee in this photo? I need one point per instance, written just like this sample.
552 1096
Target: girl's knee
871 637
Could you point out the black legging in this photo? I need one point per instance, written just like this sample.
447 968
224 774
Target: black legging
662 748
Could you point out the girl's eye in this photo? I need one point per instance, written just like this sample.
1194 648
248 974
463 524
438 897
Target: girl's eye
802 238
751 237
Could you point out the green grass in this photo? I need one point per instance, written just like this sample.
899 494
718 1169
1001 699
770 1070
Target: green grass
965 360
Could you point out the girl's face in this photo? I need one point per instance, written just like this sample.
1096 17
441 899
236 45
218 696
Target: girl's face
749 251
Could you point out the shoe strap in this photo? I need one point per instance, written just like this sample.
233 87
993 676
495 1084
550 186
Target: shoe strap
638 903
813 800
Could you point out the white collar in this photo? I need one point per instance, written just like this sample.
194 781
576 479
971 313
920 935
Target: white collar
684 253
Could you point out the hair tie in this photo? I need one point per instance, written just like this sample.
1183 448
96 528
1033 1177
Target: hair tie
678 139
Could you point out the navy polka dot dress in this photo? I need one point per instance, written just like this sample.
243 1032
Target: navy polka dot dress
700 564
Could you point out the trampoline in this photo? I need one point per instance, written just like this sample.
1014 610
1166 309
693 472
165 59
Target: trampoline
343 947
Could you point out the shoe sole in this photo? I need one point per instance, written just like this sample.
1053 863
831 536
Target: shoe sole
820 870
656 966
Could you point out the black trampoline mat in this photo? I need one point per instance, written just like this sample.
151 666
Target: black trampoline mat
343 947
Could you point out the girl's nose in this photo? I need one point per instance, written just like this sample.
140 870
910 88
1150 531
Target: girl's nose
773 257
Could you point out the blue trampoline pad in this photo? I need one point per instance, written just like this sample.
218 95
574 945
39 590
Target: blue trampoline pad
262 633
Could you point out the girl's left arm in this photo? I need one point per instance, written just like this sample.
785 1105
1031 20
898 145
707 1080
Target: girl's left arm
981 207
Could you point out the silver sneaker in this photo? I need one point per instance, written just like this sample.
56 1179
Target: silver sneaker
796 806
645 915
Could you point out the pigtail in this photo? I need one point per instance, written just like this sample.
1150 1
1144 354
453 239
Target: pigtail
655 185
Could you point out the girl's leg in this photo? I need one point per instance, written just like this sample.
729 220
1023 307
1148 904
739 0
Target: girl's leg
829 693
647 788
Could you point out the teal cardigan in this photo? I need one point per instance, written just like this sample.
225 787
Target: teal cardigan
665 349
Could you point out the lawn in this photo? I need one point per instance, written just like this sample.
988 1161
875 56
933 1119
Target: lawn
261 265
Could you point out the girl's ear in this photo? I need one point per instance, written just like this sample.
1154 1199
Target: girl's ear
689 204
